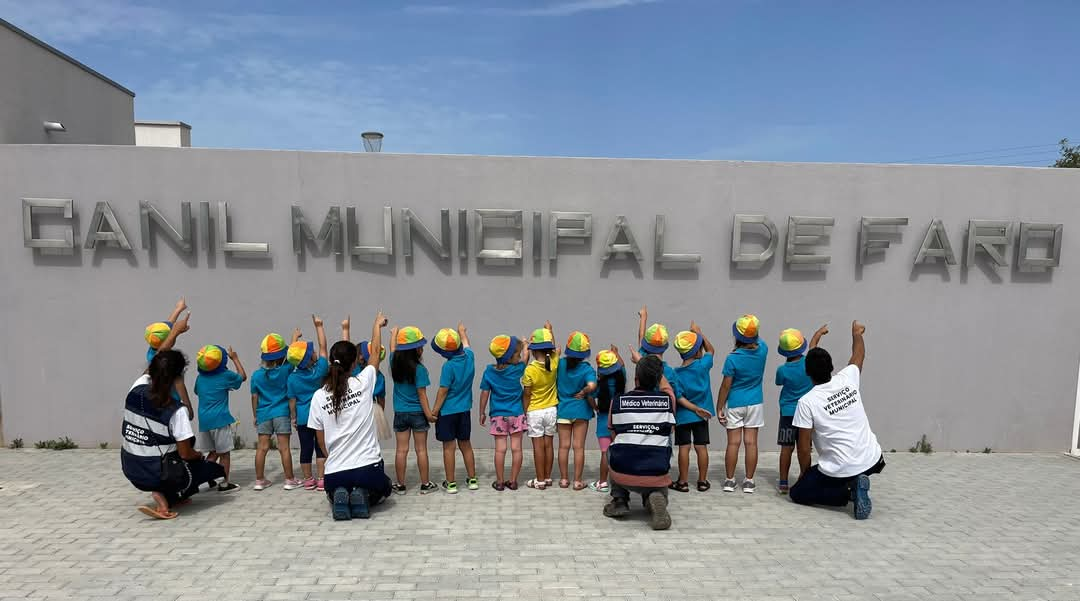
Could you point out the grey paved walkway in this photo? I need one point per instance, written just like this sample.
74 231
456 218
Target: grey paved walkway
946 526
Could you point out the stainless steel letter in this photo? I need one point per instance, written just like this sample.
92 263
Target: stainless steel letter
463 233
114 235
750 259
149 213
352 230
248 248
806 231
612 247
330 230
987 236
411 223
579 233
204 215
537 234
681 260
1031 231
868 226
499 218
936 245
62 246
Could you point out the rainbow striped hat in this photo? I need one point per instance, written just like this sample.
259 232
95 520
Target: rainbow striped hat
447 342
300 352
364 348
410 337
503 347
211 359
792 343
541 340
745 328
655 340
156 333
273 347
687 343
577 346
607 363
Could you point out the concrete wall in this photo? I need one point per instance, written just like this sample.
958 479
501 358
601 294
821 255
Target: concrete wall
973 357
171 134
41 84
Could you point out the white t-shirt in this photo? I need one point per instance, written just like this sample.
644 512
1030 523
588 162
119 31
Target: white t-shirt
846 446
351 438
180 425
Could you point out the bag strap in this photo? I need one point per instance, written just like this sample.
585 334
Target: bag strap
142 405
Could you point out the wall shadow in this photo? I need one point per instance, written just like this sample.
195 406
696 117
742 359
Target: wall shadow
107 252
569 247
48 258
676 274
446 266
939 267
493 267
386 265
804 273
759 271
622 263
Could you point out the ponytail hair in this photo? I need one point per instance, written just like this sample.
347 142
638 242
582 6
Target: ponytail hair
604 394
342 359
403 365
164 369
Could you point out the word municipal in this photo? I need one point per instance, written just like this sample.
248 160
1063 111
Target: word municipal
803 245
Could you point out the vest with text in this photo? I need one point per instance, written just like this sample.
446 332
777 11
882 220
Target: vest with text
640 452
146 436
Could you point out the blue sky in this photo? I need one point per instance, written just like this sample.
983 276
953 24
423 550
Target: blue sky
699 79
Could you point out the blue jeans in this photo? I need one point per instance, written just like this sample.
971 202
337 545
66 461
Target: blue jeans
815 488
371 478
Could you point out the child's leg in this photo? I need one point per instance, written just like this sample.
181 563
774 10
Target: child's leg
750 442
731 456
581 430
286 455
260 456
515 455
500 458
785 462
225 459
401 455
702 462
549 456
468 457
566 433
684 462
603 467
307 449
420 446
538 456
448 449
320 467
212 456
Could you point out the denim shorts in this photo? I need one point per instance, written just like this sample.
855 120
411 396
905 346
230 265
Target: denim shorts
274 425
411 420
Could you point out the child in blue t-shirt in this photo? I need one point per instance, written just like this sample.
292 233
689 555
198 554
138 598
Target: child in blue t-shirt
212 387
794 383
501 384
411 410
741 394
162 336
378 408
695 408
453 404
610 383
270 408
575 381
309 374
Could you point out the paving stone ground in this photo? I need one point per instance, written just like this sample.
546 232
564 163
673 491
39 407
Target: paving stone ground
945 527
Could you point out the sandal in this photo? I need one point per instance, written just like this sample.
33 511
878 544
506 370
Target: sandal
703 485
499 486
547 482
680 486
564 483
579 485
511 484
154 513
598 486
537 484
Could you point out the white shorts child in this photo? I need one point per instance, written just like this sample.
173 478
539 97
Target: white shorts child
542 422
751 416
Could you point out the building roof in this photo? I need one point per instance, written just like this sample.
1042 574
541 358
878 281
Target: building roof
31 38
162 123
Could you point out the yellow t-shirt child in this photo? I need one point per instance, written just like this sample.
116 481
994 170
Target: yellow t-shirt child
542 383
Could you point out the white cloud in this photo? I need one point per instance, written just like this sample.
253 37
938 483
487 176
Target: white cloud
556 9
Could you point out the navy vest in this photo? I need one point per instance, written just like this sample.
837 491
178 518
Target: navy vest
641 422
146 436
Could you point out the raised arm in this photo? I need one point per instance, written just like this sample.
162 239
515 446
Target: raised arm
181 306
695 328
239 366
393 338
818 334
296 335
643 316
320 333
858 348
463 332
375 344
345 328
179 327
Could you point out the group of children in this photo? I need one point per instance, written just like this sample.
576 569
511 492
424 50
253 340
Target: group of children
533 388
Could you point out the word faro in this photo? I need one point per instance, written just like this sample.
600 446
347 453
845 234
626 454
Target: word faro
802 244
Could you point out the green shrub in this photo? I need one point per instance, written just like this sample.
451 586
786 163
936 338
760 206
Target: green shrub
237 442
103 445
922 446
61 444
16 444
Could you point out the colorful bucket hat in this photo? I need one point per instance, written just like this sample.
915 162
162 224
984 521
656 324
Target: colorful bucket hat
273 347
577 346
745 328
687 343
156 333
299 352
364 349
447 342
607 363
541 340
792 343
211 359
503 347
655 340
410 337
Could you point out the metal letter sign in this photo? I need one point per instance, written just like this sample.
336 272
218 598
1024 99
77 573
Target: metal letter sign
613 247
330 230
678 260
868 227
227 245
62 246
803 232
580 231
752 260
411 223
113 235
1031 231
499 218
935 245
987 236
370 252
148 214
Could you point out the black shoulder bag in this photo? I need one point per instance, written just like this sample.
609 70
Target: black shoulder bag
175 474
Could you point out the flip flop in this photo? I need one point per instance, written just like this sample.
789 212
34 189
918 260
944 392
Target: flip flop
564 483
154 513
579 485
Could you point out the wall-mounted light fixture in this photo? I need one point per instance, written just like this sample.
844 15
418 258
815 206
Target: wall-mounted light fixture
54 126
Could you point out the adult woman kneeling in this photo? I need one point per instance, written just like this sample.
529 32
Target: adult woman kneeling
344 423
158 455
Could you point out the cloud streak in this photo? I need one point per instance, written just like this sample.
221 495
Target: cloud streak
556 9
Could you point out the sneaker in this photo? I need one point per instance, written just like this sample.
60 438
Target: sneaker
748 486
449 487
657 505
399 488
309 484
860 494
292 484
227 487
729 485
262 484
320 484
782 487
473 484
428 487
617 508
358 504
340 510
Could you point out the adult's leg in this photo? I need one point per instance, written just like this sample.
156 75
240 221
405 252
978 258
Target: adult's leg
286 455
750 436
515 455
619 505
468 457
260 456
448 451
731 455
202 471
500 458
815 488
566 433
581 430
420 445
401 455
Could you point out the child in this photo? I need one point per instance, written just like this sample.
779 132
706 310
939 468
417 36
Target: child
654 341
694 410
795 383
309 372
161 336
539 389
741 393
501 383
611 382
411 411
453 404
363 358
575 381
212 386
270 408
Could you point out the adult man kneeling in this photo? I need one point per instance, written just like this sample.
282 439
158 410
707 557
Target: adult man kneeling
833 414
